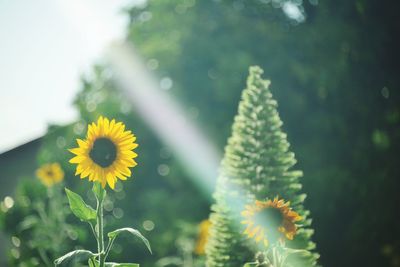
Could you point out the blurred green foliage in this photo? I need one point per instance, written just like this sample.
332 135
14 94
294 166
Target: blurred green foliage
335 76
37 224
336 79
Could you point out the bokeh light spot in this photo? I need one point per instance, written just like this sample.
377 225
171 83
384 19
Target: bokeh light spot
385 92
163 169
16 241
166 83
8 202
118 213
148 225
152 64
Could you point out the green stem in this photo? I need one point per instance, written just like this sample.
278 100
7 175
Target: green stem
274 257
94 231
108 248
100 238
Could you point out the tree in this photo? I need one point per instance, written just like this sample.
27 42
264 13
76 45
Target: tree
257 165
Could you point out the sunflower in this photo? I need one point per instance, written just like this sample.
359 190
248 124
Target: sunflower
270 220
204 229
106 154
50 174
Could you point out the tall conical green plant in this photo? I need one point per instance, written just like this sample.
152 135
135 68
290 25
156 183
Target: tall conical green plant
256 165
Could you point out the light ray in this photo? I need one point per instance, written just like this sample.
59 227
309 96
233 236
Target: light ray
165 116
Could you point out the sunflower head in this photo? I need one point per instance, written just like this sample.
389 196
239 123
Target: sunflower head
270 220
50 174
106 154
204 228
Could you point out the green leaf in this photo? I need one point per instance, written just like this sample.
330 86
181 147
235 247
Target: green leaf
76 254
79 208
95 263
250 264
301 252
134 232
99 191
113 264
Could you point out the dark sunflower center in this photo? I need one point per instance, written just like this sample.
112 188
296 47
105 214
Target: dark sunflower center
272 216
270 219
103 152
49 173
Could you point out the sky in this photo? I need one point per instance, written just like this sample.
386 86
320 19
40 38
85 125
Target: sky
45 47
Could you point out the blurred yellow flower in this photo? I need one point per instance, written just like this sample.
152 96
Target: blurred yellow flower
204 228
106 154
50 174
268 220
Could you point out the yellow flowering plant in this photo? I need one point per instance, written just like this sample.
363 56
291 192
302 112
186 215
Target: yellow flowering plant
270 223
50 174
104 157
189 245
204 229
36 213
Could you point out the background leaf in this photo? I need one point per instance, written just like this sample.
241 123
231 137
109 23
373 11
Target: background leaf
80 208
95 263
76 254
112 264
134 232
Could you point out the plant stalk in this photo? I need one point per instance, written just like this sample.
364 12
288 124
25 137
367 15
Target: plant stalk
100 232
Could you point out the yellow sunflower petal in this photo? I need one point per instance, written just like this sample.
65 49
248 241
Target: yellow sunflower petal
110 180
77 159
113 124
129 154
86 172
77 151
106 127
103 183
82 143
